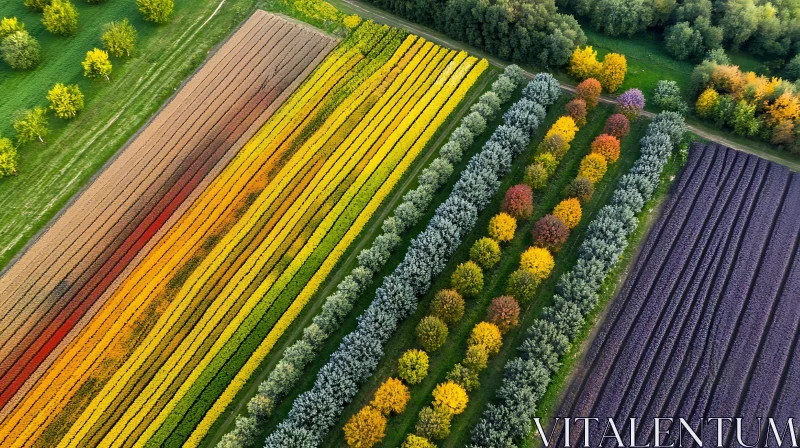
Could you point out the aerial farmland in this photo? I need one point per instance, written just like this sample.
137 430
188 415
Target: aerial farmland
306 223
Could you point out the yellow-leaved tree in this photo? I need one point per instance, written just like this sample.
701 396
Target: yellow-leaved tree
450 397
565 127
96 65
66 101
538 261
391 397
584 64
615 66
366 428
706 103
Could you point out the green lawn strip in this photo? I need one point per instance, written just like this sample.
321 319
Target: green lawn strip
491 378
552 399
50 174
397 256
346 263
495 285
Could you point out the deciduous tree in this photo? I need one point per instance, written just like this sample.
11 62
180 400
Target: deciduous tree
617 125
503 312
448 305
706 103
156 11
119 38
518 201
485 252
60 17
589 90
8 158
96 65
569 211
9 26
607 146
522 285
391 397
433 423
488 335
467 279
31 124
450 397
431 333
593 167
538 261
584 64
413 366
366 428
615 66
502 227
550 232
65 100
20 50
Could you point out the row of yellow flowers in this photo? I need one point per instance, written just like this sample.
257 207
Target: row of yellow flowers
54 389
244 275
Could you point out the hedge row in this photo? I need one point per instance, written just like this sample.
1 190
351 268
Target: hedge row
509 419
336 307
316 411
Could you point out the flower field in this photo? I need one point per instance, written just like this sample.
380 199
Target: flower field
707 321
178 335
65 275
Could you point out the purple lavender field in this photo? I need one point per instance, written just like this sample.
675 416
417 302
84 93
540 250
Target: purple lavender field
708 321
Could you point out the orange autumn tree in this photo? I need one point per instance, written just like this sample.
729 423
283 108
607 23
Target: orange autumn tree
589 90
365 429
785 108
607 146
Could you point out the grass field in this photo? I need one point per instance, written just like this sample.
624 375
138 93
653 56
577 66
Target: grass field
50 174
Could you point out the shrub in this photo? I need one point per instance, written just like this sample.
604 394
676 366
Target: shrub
584 64
536 176
518 201
414 441
65 101
450 397
8 158
569 211
433 424
565 127
503 312
631 103
365 428
96 65
555 145
593 167
36 5
548 161
20 50
156 11
577 110
119 38
617 125
431 333
589 91
9 26
485 252
467 279
466 377
391 397
488 335
607 146
580 188
537 261
613 74
476 357
502 227
60 17
413 366
448 305
522 285
351 21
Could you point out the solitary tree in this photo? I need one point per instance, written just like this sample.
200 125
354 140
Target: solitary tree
31 124
20 50
119 38
156 11
96 65
65 101
61 17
